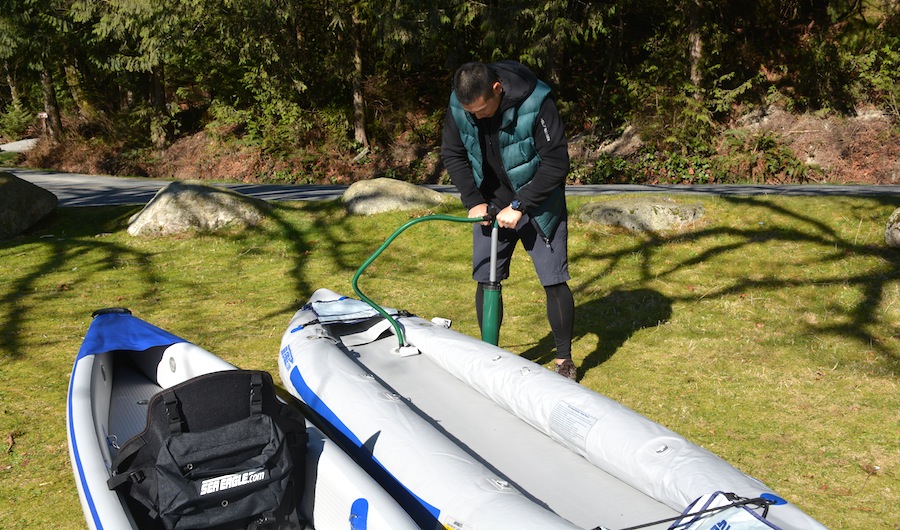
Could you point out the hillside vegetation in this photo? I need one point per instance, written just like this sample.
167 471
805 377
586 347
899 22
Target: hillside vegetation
313 91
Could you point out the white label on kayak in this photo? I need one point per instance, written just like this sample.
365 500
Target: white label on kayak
212 485
571 423
287 357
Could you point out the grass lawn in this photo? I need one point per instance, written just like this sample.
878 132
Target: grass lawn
769 332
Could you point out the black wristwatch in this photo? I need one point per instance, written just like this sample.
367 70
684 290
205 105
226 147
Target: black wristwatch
517 205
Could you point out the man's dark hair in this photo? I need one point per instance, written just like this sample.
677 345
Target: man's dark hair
473 80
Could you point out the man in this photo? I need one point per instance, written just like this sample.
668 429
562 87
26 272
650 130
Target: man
505 148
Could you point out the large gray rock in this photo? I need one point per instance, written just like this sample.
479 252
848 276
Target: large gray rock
19 147
627 144
892 230
368 197
642 214
188 206
22 204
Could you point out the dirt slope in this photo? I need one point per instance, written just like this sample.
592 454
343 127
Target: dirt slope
861 149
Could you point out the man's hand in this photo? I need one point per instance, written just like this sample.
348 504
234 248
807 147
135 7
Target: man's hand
508 218
480 211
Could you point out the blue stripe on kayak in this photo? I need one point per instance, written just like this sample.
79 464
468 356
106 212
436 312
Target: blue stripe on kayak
109 332
359 515
77 456
120 331
310 398
314 402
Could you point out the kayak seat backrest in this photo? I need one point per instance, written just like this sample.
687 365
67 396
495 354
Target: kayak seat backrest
218 451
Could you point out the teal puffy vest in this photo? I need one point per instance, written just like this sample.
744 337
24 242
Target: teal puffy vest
520 158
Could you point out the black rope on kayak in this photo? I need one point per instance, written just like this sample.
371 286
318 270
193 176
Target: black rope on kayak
759 502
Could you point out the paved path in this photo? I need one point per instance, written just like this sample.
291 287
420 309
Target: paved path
74 189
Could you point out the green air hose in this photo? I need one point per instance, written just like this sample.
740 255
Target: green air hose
398 330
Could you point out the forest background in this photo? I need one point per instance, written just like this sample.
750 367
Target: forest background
314 91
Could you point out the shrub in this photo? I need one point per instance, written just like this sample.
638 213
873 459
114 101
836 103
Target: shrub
740 157
880 71
759 158
14 122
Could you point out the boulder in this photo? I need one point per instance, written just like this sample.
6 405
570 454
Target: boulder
627 144
22 204
641 214
892 230
368 197
20 146
187 206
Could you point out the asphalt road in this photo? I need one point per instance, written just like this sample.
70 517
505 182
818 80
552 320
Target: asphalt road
74 189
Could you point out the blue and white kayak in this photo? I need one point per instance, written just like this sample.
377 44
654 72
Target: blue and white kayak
470 436
122 363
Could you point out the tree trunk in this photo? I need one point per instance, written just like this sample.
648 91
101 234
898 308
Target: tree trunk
159 88
359 98
73 80
695 45
51 107
159 122
554 76
13 90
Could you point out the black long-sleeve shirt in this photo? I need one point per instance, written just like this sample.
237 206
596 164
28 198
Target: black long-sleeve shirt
550 142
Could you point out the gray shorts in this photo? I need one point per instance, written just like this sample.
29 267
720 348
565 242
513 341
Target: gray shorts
551 260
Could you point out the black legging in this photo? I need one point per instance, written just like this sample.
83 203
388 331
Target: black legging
560 314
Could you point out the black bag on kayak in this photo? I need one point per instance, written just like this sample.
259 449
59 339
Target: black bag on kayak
219 451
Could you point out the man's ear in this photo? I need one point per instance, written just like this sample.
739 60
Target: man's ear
498 88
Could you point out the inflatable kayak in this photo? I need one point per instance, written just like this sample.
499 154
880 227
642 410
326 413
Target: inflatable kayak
469 436
124 363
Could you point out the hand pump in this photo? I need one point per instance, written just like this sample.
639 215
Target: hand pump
491 316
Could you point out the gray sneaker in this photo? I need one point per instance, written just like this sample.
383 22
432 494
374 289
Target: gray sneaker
567 369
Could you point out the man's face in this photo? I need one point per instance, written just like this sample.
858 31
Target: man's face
485 107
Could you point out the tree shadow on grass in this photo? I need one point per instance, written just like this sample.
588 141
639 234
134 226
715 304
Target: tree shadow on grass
67 240
71 235
614 319
348 240
784 226
331 233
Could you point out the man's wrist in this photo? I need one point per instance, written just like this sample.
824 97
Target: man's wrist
517 205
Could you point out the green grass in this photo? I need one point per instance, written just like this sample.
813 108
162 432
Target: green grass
768 333
8 159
